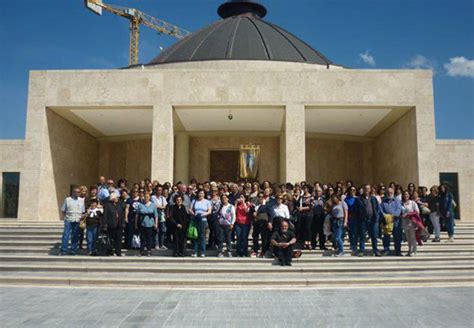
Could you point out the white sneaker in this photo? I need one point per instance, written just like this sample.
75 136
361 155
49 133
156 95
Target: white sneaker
229 254
194 255
451 240
163 247
203 255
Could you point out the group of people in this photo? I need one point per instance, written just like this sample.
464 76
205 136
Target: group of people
279 217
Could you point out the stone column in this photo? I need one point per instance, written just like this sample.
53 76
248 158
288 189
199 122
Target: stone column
425 128
293 144
35 178
162 153
181 158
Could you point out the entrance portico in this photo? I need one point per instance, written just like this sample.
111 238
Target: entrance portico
312 124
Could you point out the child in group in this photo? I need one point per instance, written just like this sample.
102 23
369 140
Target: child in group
93 216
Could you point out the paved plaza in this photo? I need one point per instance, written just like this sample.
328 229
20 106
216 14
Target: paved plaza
85 307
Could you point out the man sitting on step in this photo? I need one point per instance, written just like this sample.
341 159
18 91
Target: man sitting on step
283 241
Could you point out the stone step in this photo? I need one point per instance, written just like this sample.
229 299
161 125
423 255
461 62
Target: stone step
307 258
212 253
239 281
272 267
55 242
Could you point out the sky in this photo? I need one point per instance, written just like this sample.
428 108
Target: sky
379 34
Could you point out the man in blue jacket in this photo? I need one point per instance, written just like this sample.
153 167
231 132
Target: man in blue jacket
369 220
392 206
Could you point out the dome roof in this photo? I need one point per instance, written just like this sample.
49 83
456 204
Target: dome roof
242 34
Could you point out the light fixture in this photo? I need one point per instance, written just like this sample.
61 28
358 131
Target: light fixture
230 116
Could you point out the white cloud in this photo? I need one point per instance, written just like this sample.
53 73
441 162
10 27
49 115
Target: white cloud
420 62
460 66
367 58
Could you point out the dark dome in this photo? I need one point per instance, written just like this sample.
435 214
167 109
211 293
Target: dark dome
242 34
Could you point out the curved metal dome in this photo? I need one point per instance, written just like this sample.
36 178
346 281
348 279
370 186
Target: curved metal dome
242 34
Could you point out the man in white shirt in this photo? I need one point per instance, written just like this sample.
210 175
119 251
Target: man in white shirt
72 210
280 212
160 202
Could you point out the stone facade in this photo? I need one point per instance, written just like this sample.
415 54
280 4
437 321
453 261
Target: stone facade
56 153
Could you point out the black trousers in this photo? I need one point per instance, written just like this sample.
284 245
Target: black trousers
223 234
285 255
260 229
146 236
115 236
179 240
306 222
213 230
317 231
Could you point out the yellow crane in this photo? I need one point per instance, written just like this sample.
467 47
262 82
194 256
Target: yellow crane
136 17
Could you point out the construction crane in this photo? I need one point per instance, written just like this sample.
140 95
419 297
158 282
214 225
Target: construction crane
136 17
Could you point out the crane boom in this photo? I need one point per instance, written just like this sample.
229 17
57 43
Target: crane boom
136 17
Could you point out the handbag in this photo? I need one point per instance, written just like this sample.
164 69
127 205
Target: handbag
192 232
83 223
103 244
425 210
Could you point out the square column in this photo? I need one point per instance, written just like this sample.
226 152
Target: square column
181 172
293 145
162 153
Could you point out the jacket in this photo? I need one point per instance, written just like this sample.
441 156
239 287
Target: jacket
179 215
114 216
362 209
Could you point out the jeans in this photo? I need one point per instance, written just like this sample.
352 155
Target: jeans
373 230
352 233
410 234
71 230
201 226
358 234
260 228
397 237
242 232
224 235
449 221
161 233
338 230
434 217
91 236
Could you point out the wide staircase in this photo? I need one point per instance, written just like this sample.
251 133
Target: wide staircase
28 256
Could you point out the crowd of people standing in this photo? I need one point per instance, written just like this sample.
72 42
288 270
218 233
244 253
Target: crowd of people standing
280 217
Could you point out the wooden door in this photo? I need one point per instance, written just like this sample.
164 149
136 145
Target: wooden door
224 165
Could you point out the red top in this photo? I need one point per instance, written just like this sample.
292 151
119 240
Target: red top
241 215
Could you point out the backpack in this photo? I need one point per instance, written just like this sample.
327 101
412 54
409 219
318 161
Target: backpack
102 244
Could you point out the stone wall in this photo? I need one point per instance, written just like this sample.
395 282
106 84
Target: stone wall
129 159
457 156
332 160
395 152
73 155
200 147
11 160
